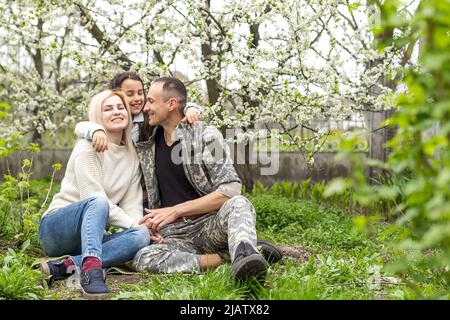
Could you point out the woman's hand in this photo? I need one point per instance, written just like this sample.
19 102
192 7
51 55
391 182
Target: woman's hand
154 235
157 238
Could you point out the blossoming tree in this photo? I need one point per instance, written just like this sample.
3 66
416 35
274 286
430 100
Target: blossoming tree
262 64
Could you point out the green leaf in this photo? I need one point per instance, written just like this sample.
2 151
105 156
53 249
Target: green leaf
337 186
4 106
433 143
435 61
389 193
352 7
25 245
57 166
435 235
360 222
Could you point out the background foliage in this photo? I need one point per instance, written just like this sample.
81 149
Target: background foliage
422 157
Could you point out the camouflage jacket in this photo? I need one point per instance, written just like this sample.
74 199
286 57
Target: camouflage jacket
205 156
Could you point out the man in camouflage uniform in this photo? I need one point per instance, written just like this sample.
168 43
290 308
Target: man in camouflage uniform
187 236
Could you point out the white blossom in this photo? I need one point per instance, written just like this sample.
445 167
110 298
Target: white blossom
309 63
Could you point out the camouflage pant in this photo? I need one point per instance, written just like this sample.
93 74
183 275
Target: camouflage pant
184 241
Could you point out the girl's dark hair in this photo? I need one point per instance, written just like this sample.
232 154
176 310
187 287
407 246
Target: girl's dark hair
145 130
116 82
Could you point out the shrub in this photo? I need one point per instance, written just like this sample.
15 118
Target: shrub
19 281
20 205
420 144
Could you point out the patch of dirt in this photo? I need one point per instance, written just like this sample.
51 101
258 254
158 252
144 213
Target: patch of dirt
67 290
60 290
115 280
302 255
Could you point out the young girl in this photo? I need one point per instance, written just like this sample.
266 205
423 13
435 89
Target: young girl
132 85
98 189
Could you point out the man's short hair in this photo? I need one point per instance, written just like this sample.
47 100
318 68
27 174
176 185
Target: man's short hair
173 88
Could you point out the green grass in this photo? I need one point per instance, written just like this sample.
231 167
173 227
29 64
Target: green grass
344 263
212 285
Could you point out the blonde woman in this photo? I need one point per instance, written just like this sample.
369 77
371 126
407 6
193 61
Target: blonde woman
98 190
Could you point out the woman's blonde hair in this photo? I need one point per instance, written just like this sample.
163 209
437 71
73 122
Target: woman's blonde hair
95 113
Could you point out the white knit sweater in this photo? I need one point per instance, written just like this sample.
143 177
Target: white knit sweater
114 174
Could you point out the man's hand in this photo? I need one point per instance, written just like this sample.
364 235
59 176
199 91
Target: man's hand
158 218
192 115
99 141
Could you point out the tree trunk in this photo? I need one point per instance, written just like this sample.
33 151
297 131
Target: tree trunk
244 170
39 66
380 137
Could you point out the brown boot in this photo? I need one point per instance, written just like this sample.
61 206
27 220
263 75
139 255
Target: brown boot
248 264
270 251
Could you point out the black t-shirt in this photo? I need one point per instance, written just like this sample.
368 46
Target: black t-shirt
174 187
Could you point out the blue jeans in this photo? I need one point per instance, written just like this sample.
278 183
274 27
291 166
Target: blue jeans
78 230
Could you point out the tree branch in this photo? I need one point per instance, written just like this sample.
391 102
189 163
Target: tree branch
88 22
